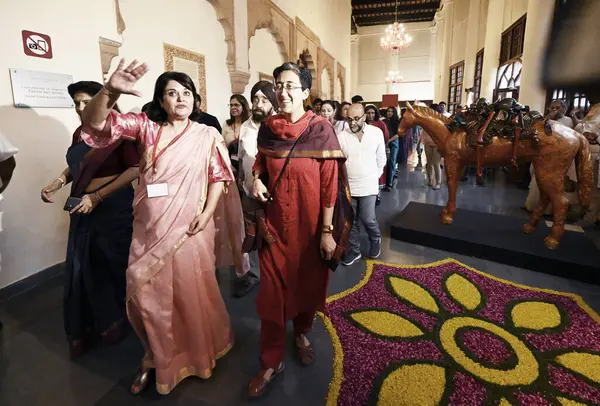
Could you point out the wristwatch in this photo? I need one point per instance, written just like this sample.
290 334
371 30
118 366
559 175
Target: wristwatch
327 229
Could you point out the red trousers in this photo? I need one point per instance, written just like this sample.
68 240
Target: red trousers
272 338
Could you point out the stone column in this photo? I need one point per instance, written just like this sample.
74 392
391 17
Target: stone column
448 11
537 28
471 45
437 81
433 58
241 75
491 54
354 66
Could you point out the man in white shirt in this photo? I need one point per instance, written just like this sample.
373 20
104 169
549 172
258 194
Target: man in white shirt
7 167
364 147
442 105
7 162
263 100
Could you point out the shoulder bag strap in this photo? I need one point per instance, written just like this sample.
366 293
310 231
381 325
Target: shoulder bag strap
285 164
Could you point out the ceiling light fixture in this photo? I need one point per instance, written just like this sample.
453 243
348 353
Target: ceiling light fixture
395 38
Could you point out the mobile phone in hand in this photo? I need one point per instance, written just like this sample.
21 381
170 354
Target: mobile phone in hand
71 203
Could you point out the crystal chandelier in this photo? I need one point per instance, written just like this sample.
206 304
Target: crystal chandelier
395 37
393 77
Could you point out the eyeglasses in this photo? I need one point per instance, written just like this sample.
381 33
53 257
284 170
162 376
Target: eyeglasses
355 119
287 86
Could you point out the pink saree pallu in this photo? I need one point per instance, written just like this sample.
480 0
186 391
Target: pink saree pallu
173 298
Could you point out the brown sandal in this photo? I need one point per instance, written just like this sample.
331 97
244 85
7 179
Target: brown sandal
305 353
259 384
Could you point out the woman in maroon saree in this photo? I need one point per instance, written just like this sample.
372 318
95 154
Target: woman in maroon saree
99 233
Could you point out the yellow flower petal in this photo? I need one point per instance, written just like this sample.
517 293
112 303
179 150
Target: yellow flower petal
535 315
569 402
421 385
386 324
414 294
463 291
587 365
504 402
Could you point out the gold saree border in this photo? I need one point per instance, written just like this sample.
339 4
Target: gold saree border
155 268
316 154
186 372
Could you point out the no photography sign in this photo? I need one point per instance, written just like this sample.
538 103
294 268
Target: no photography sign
37 44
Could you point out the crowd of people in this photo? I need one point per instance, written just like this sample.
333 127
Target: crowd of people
161 199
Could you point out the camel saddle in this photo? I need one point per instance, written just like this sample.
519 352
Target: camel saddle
504 119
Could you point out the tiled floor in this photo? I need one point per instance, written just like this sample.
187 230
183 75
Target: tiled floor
35 369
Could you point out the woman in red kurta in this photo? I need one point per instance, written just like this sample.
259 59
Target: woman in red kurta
294 270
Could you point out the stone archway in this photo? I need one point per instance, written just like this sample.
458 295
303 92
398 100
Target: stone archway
326 63
224 10
306 59
327 82
263 14
341 76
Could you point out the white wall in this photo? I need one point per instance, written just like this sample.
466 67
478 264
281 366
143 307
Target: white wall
459 31
330 20
514 9
413 63
483 10
196 30
34 234
264 57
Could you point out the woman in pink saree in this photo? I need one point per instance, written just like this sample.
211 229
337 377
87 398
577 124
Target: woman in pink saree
173 299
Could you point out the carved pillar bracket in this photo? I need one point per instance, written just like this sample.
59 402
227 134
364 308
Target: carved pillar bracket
239 81
108 50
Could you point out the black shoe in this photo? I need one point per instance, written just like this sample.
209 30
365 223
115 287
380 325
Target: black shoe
245 284
387 189
378 201
375 249
350 258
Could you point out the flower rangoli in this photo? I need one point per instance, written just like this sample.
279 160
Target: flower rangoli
445 333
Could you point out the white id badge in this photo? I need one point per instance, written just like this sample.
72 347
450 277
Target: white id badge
157 190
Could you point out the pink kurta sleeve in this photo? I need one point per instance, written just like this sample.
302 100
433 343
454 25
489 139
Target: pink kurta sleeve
218 170
219 166
329 184
129 126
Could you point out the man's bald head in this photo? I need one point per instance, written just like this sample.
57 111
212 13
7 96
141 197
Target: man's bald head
356 110
356 117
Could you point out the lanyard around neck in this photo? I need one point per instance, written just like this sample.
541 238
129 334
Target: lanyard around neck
173 141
